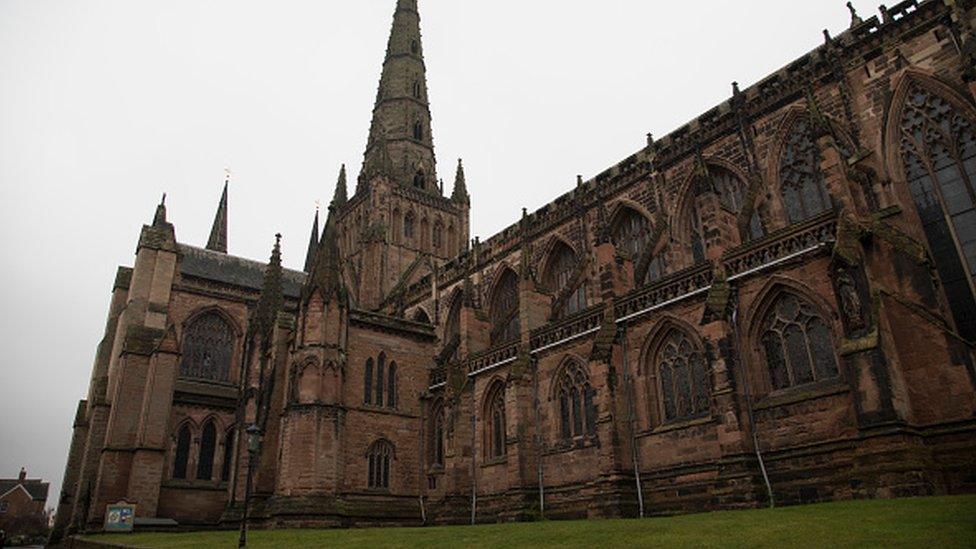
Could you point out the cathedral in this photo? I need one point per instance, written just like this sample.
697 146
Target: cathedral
772 304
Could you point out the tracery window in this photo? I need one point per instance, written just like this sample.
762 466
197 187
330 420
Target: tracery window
938 146
208 446
631 232
504 309
733 193
576 406
683 374
797 344
408 226
657 268
208 344
802 185
378 459
495 422
182 455
228 455
437 435
560 271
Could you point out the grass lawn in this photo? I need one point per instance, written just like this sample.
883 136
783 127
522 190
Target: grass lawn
933 523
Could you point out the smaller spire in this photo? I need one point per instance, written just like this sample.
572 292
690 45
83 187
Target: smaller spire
325 275
271 300
341 193
218 233
160 218
855 18
460 193
313 243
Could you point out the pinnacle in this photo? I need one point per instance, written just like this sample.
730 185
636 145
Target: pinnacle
218 233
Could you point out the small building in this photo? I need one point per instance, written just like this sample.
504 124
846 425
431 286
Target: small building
22 504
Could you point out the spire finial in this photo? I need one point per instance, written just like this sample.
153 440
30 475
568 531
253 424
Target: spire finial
855 18
218 232
159 219
460 193
341 193
272 297
313 241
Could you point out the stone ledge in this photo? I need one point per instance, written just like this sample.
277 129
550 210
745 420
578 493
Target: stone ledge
802 393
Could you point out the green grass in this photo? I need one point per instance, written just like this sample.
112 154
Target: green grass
933 523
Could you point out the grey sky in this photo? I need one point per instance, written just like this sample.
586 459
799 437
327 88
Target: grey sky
104 105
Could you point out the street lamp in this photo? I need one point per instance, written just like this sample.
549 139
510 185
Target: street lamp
253 450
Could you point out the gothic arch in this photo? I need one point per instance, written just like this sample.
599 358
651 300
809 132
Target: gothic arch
574 400
716 166
568 361
677 373
891 143
211 309
551 245
618 206
758 310
794 115
494 424
302 388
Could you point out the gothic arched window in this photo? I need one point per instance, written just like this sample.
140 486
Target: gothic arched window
796 343
208 446
733 193
437 435
391 385
495 421
802 185
228 455
182 455
408 226
368 382
631 232
208 343
438 238
683 374
505 309
378 459
560 272
380 367
938 146
576 406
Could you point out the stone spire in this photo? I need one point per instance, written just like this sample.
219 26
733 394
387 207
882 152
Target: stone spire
159 219
313 244
341 194
218 233
460 194
271 300
326 276
401 115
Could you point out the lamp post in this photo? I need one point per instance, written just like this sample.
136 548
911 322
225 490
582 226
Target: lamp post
253 449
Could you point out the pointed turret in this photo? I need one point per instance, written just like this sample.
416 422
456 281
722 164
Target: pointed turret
159 219
272 297
313 244
401 115
326 274
218 233
341 194
460 194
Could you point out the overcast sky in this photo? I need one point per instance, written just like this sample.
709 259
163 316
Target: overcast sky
105 105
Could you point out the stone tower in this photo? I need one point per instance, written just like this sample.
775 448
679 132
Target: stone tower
398 226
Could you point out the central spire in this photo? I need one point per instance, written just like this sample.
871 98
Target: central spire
400 144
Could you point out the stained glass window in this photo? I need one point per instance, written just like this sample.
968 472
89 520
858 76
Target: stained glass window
208 446
437 435
378 459
938 146
208 344
797 344
182 455
495 426
504 309
684 381
801 181
560 272
577 409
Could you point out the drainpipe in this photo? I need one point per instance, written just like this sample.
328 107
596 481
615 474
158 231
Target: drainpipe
745 386
474 455
632 420
538 443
